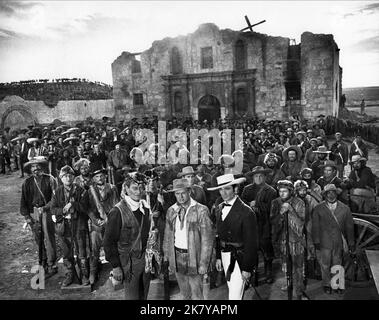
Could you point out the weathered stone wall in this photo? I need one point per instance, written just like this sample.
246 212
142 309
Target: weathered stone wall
320 73
16 112
266 59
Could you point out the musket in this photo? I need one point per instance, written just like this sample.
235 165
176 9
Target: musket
76 270
288 260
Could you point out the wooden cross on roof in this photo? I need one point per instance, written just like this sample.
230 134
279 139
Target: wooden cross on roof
249 25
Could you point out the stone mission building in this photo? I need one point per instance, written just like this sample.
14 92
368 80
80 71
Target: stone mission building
213 73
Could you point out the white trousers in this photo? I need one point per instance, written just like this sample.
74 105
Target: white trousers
236 285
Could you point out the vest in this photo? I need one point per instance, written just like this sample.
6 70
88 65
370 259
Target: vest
129 243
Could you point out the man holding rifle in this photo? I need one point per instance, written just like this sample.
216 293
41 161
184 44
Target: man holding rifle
287 220
103 197
37 191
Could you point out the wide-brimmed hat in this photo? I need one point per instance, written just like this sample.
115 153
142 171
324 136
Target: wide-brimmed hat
322 149
259 169
298 151
329 163
179 184
41 160
303 133
19 137
96 168
305 171
70 139
227 159
226 180
356 158
187 170
31 140
331 187
66 170
309 131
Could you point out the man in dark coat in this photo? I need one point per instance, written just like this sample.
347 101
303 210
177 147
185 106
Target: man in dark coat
340 151
102 198
68 208
36 193
259 196
332 233
236 236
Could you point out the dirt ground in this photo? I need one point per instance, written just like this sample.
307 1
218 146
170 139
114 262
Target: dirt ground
19 254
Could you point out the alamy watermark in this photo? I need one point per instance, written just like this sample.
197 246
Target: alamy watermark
172 147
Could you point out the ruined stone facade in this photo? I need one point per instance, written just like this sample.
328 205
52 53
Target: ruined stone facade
215 73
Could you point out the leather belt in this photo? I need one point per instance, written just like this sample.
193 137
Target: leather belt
236 245
181 250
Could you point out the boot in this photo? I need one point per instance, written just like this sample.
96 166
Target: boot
268 271
84 269
69 276
93 270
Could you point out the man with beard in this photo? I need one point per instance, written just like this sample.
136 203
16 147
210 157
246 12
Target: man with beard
339 151
271 162
84 179
98 157
332 233
36 194
236 236
361 182
314 190
102 198
288 203
125 238
301 191
292 164
358 147
310 155
322 155
329 175
259 196
117 159
68 208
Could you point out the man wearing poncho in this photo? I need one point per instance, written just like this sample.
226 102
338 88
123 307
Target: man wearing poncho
288 202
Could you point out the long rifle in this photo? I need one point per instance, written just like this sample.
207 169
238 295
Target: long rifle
288 260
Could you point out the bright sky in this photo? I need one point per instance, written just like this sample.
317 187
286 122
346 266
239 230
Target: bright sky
59 39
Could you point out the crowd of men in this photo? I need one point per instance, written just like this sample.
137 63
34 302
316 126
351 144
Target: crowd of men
91 187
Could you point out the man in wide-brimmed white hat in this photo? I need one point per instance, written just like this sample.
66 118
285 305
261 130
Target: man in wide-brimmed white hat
188 241
36 194
236 236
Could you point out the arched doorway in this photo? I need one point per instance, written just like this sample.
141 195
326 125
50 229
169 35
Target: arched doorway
209 108
17 117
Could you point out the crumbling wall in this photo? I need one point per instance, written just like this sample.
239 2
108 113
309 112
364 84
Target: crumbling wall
66 111
320 73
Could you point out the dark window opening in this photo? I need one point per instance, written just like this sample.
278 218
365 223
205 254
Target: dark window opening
138 99
241 100
136 66
176 63
240 55
178 102
206 58
293 90
337 91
